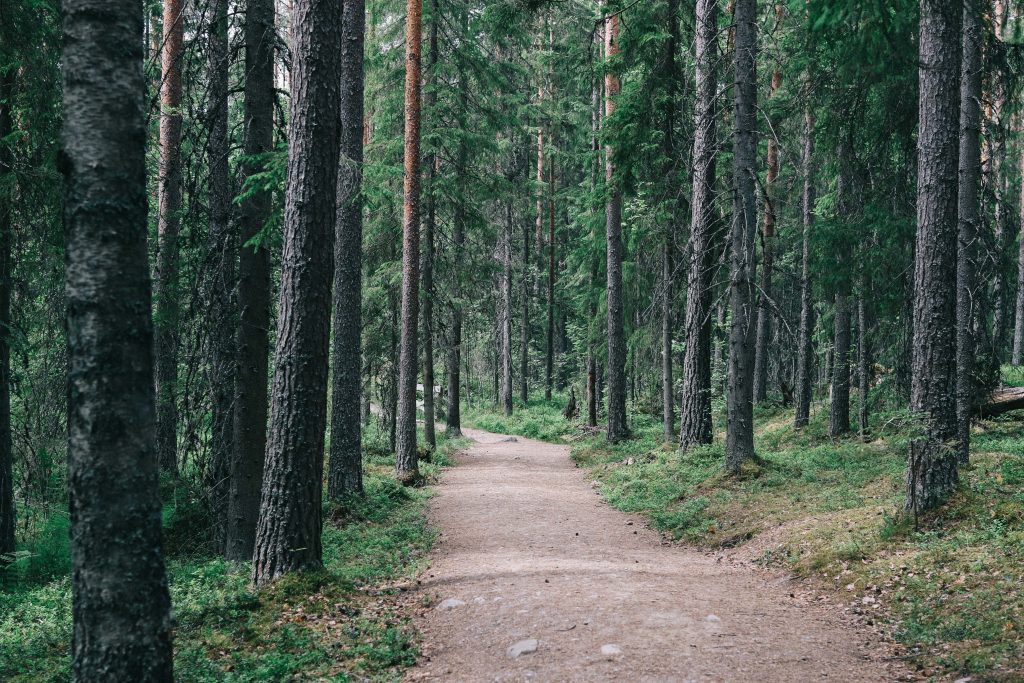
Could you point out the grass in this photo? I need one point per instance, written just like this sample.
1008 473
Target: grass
343 622
829 511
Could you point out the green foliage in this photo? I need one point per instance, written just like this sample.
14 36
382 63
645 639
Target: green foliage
538 419
337 624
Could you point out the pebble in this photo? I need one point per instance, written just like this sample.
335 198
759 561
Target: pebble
712 618
450 603
523 647
610 650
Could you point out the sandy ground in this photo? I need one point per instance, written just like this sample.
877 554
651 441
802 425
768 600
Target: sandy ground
529 552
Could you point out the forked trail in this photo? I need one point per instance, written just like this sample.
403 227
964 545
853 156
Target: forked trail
528 553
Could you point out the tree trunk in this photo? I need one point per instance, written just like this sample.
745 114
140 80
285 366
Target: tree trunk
505 309
220 291
453 426
7 508
739 444
695 403
617 426
764 311
289 526
839 410
429 226
121 608
668 238
863 358
406 459
345 475
932 467
967 223
524 331
549 367
1018 328
805 350
249 431
168 227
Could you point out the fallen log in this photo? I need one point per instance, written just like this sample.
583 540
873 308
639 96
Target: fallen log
1003 401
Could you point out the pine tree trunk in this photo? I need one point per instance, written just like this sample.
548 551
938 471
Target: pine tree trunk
932 466
429 226
220 292
805 350
863 358
967 223
7 509
505 309
617 427
453 426
695 402
839 410
168 227
764 312
289 526
345 475
739 444
121 608
1017 356
249 431
406 459
668 417
549 366
524 330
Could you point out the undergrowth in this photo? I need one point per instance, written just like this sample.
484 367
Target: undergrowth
339 623
831 511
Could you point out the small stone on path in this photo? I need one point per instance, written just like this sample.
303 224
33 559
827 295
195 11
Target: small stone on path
523 647
712 618
611 650
450 603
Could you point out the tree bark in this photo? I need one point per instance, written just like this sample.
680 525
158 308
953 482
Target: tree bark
249 431
764 311
549 366
967 221
863 357
168 227
429 226
7 508
839 410
805 351
406 459
345 475
524 330
505 306
453 426
220 292
617 426
289 526
121 607
932 464
668 417
695 402
1017 356
739 444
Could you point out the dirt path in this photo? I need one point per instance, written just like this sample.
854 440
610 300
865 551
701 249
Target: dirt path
528 552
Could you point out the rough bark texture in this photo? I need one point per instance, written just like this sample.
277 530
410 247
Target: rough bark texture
121 607
968 219
288 531
863 358
1017 356
429 226
549 365
669 239
168 227
739 442
453 426
695 402
764 311
617 427
220 291
249 431
839 409
505 308
932 466
345 474
7 513
805 351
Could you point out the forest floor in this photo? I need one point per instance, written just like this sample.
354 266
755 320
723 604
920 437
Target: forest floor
535 577
828 512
